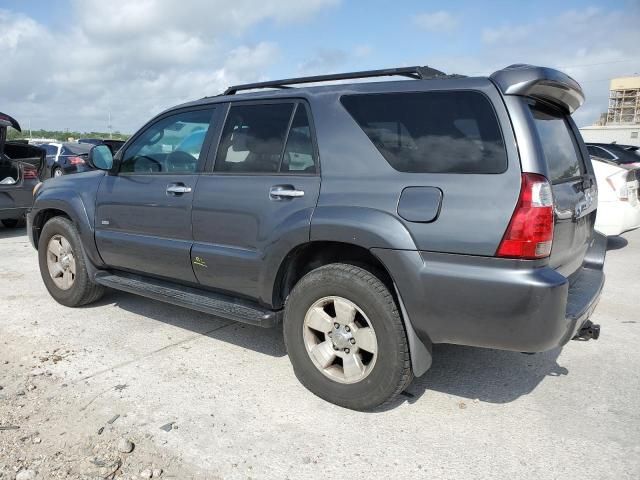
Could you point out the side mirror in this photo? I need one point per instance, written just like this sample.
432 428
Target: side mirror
100 157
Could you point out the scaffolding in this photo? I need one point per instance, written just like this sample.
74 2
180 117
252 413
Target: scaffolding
624 101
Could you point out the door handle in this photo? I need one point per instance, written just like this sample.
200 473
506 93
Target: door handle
279 192
178 189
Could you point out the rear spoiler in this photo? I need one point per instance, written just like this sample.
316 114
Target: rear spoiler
540 83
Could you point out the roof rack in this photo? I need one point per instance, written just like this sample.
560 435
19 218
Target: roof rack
419 73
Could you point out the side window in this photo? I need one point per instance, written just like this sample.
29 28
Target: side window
432 132
171 145
253 138
50 149
298 154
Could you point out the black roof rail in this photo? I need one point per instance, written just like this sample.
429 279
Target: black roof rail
419 73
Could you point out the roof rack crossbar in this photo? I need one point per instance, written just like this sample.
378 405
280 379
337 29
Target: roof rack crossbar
418 73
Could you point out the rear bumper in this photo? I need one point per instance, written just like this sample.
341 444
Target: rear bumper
495 303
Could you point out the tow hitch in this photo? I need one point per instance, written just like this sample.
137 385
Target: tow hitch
588 331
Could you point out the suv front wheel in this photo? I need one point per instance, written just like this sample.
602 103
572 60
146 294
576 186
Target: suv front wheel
345 338
62 264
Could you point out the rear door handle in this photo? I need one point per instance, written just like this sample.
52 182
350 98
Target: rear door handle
178 189
280 192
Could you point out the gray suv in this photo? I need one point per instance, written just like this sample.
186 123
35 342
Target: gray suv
373 219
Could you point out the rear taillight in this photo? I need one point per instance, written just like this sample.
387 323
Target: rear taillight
76 160
530 231
29 172
618 182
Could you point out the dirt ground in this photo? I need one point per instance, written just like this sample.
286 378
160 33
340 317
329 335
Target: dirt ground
200 397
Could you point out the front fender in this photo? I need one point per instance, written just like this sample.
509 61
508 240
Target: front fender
75 207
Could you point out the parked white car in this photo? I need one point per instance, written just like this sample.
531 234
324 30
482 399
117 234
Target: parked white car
618 202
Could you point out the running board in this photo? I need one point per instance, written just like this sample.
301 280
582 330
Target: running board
192 298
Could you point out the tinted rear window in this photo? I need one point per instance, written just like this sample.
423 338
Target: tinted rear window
432 132
558 144
76 148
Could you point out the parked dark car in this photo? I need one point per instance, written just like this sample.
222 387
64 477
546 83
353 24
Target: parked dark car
373 219
65 158
618 154
19 174
91 141
114 145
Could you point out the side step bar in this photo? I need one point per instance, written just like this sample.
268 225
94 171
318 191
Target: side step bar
192 298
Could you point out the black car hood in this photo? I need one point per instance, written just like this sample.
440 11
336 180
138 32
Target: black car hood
8 121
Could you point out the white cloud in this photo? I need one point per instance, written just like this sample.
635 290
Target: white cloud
440 21
134 58
506 34
591 45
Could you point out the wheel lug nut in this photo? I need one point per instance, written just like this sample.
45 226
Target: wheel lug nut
347 329
353 341
335 348
336 325
346 350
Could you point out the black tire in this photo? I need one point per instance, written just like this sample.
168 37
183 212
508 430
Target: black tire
11 222
83 290
391 372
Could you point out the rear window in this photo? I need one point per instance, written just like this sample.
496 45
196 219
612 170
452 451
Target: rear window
558 144
432 132
50 149
76 149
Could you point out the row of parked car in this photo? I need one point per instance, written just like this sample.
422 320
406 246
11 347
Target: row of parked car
70 157
23 165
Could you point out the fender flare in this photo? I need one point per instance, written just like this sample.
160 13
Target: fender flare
370 228
72 205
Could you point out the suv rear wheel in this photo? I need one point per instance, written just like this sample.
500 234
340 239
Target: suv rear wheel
345 338
62 264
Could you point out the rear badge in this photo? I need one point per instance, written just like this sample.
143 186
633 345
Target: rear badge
105 222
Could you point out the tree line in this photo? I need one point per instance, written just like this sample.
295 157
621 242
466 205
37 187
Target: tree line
62 136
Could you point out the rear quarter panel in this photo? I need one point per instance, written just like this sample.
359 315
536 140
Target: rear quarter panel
475 209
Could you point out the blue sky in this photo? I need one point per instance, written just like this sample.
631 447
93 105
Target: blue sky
136 58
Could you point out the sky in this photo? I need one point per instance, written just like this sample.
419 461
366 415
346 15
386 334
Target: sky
69 64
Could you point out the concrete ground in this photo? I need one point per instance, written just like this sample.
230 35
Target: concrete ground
231 407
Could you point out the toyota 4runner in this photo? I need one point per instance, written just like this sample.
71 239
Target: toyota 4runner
373 219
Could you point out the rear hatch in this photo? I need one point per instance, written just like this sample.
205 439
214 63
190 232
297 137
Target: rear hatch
551 97
573 185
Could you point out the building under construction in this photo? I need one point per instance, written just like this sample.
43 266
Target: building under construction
621 123
624 101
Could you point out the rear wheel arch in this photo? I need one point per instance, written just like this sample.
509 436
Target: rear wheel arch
312 255
309 256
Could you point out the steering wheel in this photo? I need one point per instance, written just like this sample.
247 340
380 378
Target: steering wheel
150 160
180 162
